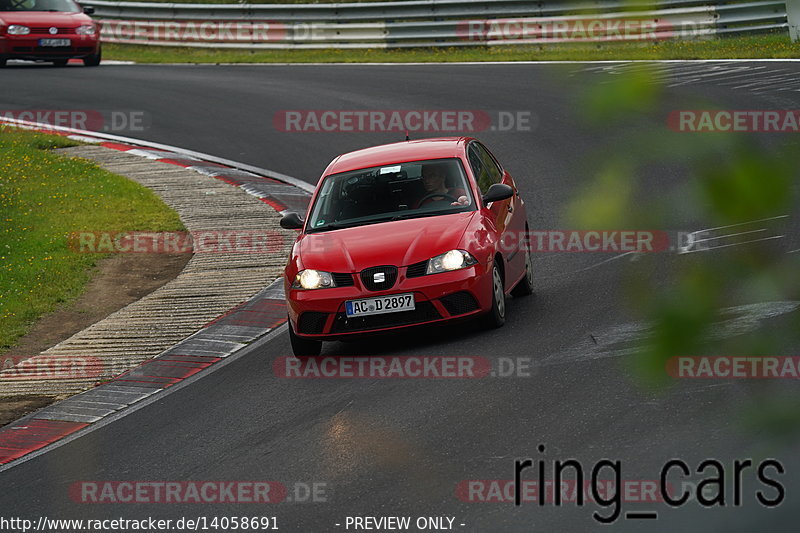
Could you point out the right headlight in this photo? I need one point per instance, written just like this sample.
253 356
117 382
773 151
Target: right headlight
313 279
18 29
452 260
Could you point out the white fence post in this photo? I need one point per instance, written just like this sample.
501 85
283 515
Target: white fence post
793 16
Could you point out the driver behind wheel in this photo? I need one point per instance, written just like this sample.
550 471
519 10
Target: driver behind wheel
434 176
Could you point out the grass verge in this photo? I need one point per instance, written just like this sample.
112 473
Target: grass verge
772 45
43 198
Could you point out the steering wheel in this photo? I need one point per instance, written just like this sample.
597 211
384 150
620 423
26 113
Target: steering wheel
437 195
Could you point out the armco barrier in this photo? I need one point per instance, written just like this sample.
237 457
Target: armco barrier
430 22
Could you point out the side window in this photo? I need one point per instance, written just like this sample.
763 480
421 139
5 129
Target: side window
484 167
494 169
478 168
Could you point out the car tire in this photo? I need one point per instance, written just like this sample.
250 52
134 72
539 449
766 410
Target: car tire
3 61
525 286
304 347
93 60
496 316
60 62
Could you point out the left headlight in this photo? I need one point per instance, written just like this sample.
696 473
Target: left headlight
313 279
87 29
18 29
452 260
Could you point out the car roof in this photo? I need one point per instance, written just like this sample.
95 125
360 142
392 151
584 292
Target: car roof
400 152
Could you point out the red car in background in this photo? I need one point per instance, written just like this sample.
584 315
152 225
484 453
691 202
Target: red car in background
404 234
48 30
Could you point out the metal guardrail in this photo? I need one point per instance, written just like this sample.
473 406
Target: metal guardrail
441 23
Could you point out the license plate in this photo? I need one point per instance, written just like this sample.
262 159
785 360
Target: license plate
382 304
55 42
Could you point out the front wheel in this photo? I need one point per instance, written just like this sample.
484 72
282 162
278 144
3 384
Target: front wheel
496 316
3 61
525 286
93 60
304 347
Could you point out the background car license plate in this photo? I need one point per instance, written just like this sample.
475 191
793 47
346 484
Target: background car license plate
54 42
382 304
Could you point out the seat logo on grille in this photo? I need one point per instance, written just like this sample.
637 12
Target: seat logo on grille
53 31
379 277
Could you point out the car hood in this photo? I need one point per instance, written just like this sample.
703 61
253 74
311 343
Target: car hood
399 243
43 18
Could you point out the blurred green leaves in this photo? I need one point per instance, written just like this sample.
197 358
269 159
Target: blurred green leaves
630 93
749 184
720 179
606 200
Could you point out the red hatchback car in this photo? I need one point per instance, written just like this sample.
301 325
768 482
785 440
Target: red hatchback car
404 234
48 30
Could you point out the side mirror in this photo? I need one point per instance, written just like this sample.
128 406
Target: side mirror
89 10
497 192
291 220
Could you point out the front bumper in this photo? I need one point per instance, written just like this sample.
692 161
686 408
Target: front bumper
27 46
320 314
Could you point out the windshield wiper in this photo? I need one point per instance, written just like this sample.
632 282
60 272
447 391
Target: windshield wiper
353 224
406 216
332 225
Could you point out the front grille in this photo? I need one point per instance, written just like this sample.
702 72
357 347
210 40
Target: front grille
312 322
417 269
46 31
389 274
424 312
342 279
459 303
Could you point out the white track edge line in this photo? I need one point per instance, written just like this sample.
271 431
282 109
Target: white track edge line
439 63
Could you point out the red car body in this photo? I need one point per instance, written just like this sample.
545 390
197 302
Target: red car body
59 28
492 232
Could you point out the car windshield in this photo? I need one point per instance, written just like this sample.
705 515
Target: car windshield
391 192
39 5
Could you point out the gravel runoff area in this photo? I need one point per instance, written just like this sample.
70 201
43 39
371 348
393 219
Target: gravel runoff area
210 284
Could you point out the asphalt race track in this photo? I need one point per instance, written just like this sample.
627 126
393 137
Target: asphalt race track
384 447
